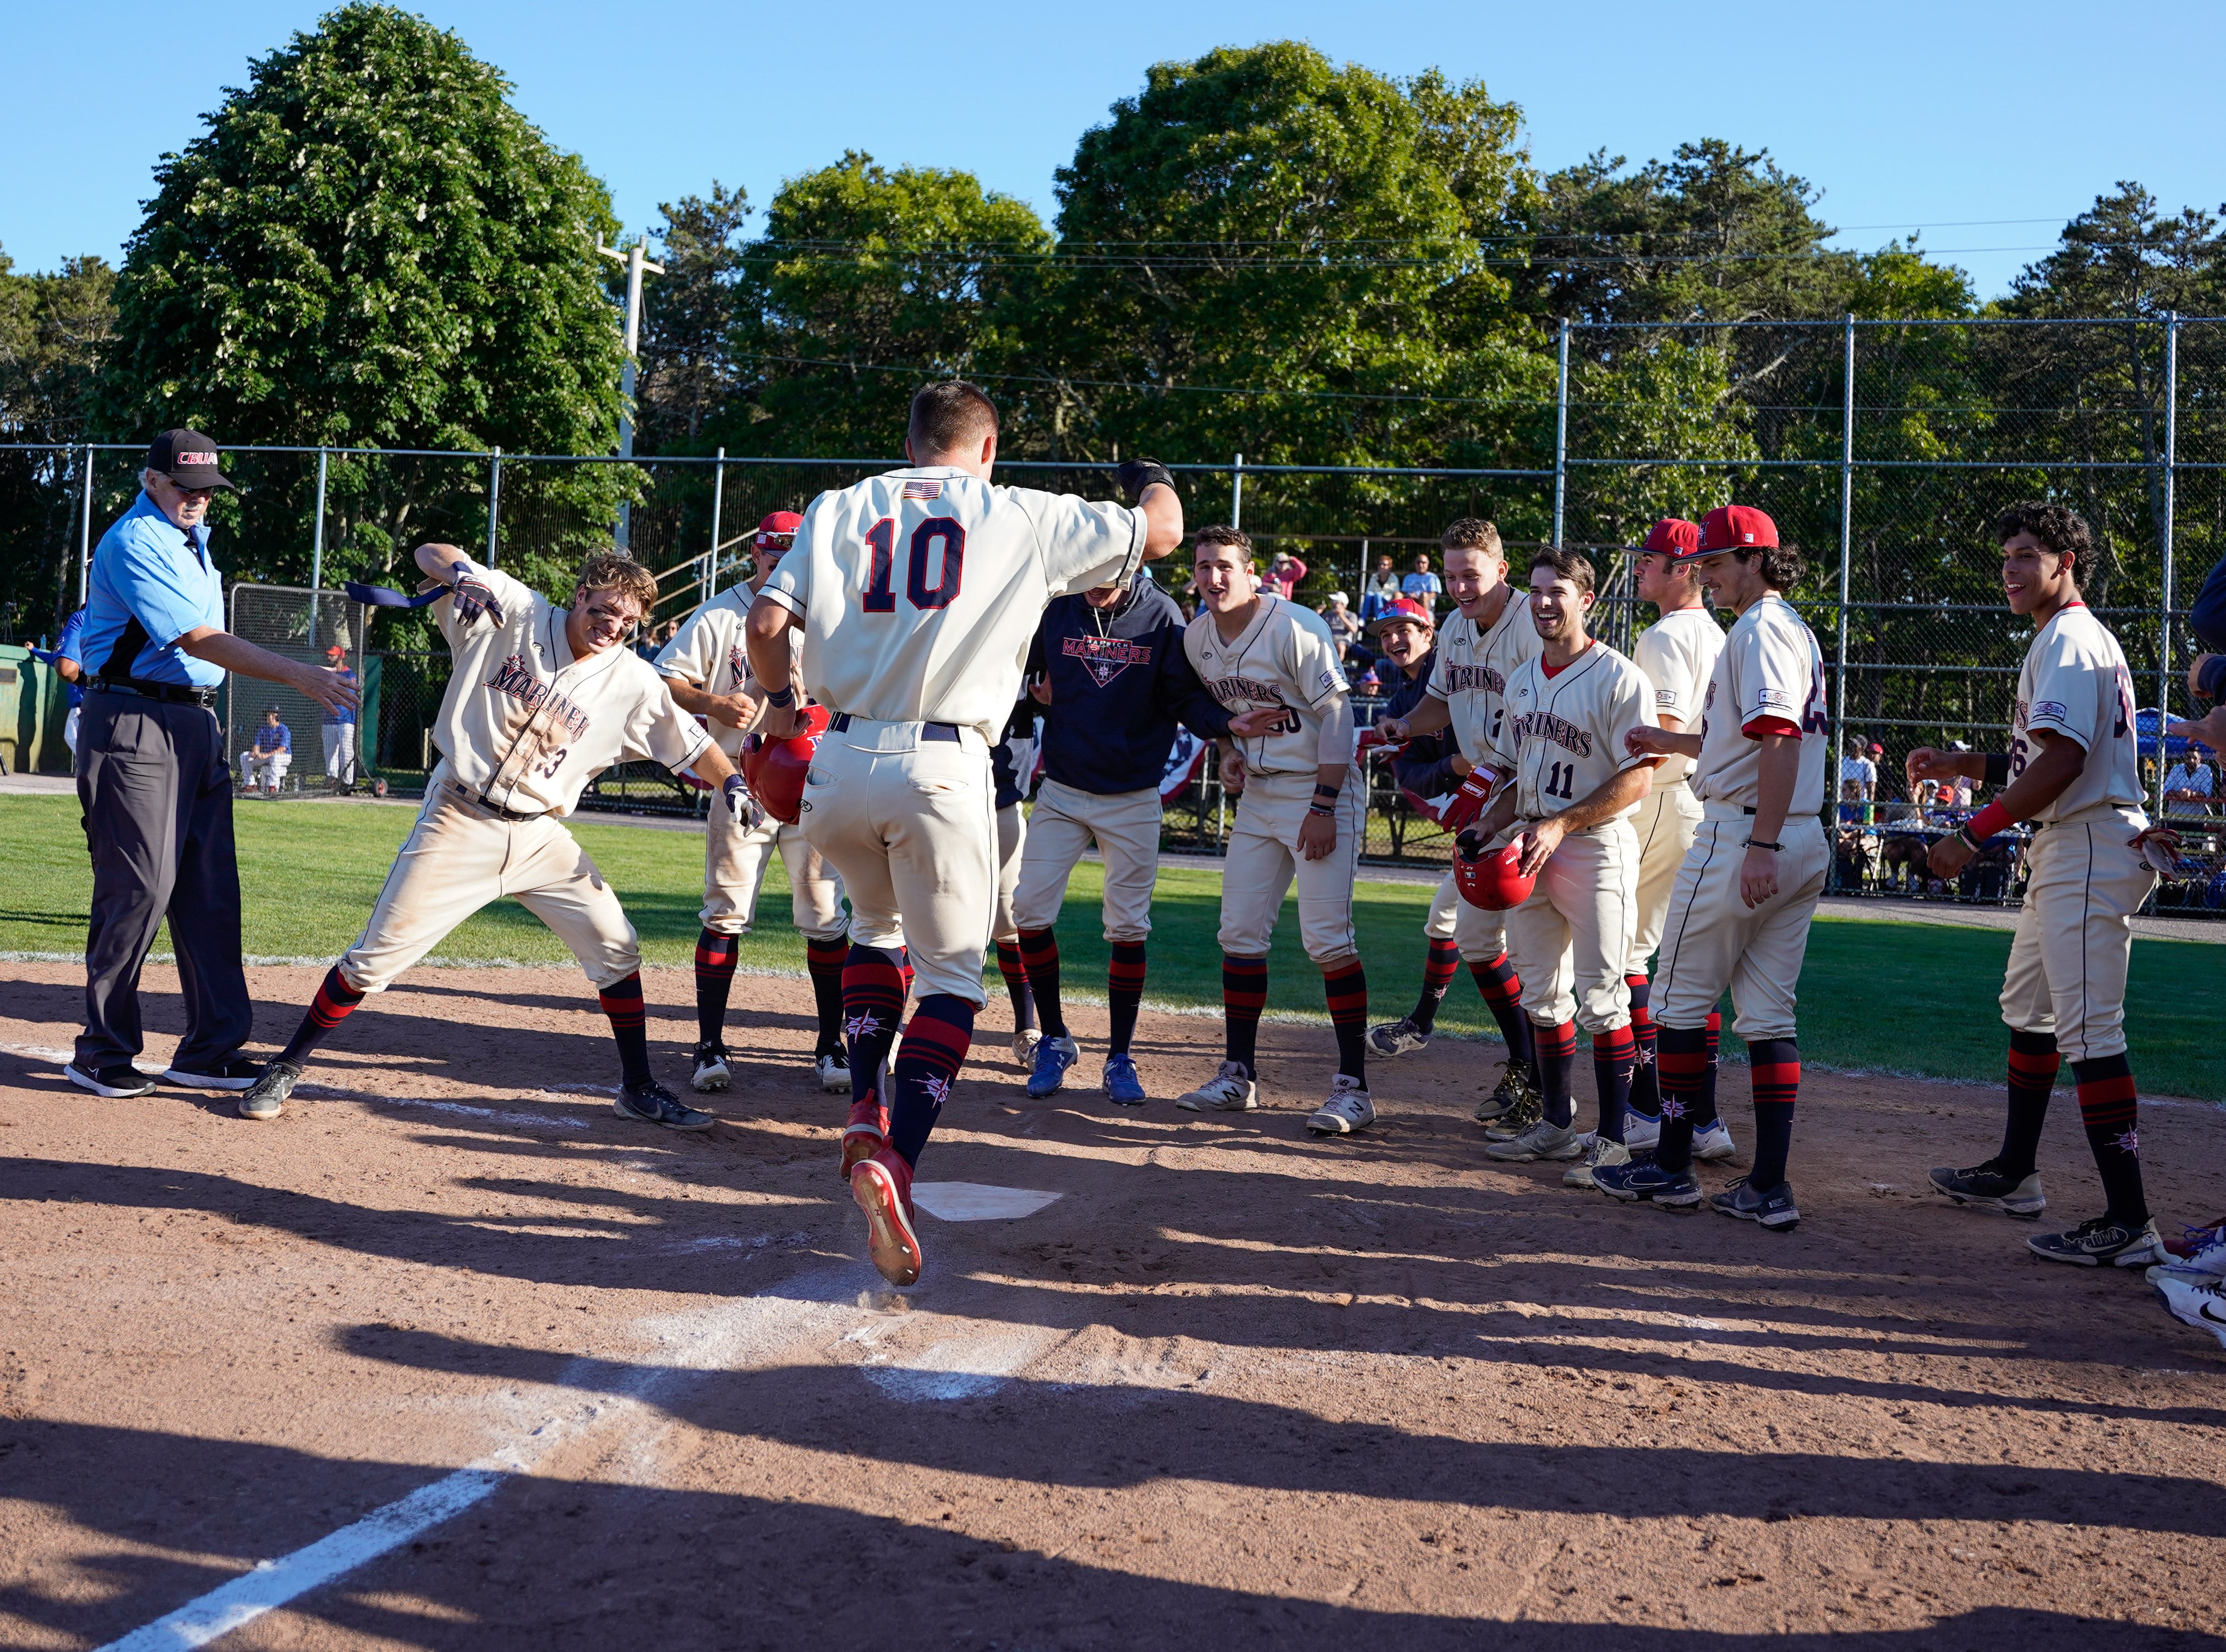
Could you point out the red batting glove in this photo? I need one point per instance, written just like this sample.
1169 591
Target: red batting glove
1468 803
1371 740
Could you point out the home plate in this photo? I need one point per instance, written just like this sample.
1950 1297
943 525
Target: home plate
978 1202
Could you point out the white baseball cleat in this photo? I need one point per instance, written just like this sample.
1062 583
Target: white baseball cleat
1398 1038
1347 1110
1024 1048
834 1072
1599 1151
1641 1134
2197 1299
1541 1141
1227 1091
1713 1142
711 1074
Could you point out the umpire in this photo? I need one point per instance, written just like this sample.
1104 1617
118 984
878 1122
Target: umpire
152 780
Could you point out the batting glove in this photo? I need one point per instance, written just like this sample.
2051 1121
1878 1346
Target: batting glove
1468 803
742 807
473 597
1135 475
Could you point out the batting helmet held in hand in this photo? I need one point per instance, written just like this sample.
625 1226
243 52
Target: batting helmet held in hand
775 769
1495 881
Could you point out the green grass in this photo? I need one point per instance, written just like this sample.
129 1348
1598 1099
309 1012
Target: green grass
1903 997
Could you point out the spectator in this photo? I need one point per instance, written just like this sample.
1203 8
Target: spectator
1379 591
338 729
1344 629
1284 572
2190 782
1857 770
1421 584
268 757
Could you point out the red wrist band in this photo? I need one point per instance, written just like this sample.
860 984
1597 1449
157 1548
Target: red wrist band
1988 821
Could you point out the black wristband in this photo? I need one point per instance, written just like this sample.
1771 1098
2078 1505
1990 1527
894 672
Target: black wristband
1331 793
1998 768
783 698
1756 843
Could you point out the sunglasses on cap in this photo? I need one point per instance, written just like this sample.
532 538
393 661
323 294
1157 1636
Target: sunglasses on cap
776 540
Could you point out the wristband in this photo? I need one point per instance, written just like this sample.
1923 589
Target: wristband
1988 821
1998 768
1316 809
1330 793
783 698
1756 843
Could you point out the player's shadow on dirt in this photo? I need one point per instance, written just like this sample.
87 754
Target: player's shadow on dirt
568 1562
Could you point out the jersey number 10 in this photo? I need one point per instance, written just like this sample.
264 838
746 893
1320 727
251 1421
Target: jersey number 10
881 573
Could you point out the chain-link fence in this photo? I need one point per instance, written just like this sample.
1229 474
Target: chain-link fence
282 742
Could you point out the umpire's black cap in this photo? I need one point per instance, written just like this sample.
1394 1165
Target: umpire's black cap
188 458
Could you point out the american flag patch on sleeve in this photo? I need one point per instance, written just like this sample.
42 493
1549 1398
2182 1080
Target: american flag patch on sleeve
923 488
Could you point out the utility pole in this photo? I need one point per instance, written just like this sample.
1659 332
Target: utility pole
635 263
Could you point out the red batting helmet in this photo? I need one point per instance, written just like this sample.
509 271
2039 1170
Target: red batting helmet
1675 537
1736 527
1495 881
778 531
775 769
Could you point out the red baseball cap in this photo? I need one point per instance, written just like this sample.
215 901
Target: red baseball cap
1402 609
780 526
1736 527
1675 537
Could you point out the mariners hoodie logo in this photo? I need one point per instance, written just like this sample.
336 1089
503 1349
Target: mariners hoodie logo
1105 657
511 678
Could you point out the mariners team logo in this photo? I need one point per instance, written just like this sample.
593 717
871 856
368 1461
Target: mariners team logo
738 668
1106 658
511 678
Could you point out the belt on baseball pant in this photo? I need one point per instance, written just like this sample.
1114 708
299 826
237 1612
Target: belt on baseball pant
168 693
499 813
841 725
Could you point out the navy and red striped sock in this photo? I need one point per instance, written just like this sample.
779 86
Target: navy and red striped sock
1039 956
2034 1064
1345 986
2109 1109
928 1061
1124 992
1775 1066
1438 966
1645 1094
1016 984
1244 996
621 1002
1704 1108
334 1000
1615 1054
873 1004
824 960
1557 1060
1503 995
1681 1066
714 979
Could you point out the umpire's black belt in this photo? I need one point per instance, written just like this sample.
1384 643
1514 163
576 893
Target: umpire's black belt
927 730
171 693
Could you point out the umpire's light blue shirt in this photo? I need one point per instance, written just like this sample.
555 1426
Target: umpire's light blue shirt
148 569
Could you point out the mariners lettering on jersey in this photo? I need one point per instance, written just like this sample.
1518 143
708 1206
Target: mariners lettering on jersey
1226 689
1461 678
511 678
1106 658
1544 725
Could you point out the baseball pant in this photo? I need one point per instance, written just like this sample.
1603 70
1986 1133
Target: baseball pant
340 752
1714 939
1480 936
1263 857
1664 824
2074 935
1569 940
910 824
267 769
1125 826
157 802
1012 834
458 857
734 861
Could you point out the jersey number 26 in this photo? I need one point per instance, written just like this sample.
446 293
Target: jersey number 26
880 573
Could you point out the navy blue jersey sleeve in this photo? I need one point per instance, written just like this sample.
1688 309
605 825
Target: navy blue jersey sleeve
1181 695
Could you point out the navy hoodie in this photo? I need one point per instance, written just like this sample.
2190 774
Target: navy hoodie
1120 682
1425 767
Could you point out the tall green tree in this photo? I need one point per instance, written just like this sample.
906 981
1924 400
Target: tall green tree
369 245
688 315
53 328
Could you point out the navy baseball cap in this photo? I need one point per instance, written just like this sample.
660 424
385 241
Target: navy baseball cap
188 458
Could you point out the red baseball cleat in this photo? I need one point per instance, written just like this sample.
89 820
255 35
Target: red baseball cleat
868 1132
882 1186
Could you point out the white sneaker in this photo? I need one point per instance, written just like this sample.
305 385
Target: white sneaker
1541 1141
1399 1037
1024 1047
1714 1142
2206 1254
1227 1091
1601 1152
2193 1300
834 1072
1641 1134
1347 1110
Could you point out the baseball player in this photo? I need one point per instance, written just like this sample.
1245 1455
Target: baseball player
1299 812
1571 783
1477 654
918 593
337 732
1012 765
1740 908
1112 673
706 667
1676 652
269 756
542 700
2073 768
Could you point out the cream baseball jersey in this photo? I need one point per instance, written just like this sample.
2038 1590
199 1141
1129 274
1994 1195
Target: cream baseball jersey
1285 657
2074 683
1562 735
1677 652
1769 667
526 727
709 648
920 590
1473 668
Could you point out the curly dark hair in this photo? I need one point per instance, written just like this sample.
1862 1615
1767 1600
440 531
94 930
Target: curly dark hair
2059 528
1571 565
1221 534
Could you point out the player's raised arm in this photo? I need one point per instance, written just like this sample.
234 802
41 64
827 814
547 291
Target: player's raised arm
1151 485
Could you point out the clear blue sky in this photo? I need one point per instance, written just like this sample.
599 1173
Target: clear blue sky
1944 118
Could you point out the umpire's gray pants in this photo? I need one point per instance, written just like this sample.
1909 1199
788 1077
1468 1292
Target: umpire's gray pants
157 800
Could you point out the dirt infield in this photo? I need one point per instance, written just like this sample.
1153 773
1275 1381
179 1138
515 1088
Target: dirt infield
1231 1386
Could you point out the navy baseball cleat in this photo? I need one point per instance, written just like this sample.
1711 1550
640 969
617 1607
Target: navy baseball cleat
1054 1058
1987 1187
2104 1241
650 1103
1644 1181
1770 1208
1120 1080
